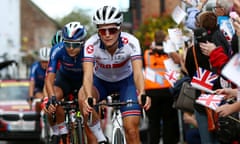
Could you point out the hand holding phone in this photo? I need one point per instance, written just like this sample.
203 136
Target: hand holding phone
234 16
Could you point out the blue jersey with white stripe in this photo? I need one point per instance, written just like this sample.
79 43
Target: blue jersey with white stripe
71 67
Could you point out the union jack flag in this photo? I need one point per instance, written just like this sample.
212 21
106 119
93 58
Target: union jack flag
204 79
211 101
172 77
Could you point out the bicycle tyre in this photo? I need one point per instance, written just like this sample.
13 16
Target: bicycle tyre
80 132
46 129
74 136
118 137
77 136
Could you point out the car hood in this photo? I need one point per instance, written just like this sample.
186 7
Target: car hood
15 106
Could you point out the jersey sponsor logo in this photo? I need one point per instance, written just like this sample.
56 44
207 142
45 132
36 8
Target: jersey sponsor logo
116 65
90 49
124 40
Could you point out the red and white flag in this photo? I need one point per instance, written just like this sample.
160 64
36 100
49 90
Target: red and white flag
172 77
211 101
204 79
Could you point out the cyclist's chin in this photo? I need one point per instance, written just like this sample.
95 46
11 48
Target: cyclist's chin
109 43
72 54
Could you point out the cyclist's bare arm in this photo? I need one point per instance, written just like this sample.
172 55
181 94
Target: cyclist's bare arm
87 78
87 86
45 91
139 82
31 88
49 83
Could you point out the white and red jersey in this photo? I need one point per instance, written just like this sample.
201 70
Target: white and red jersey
112 68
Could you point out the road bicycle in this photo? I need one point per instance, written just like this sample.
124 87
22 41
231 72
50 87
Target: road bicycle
73 119
118 134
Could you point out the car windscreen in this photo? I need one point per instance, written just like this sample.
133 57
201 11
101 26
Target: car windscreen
13 93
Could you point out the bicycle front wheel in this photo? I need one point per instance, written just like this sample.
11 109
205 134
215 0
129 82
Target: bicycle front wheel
77 134
118 137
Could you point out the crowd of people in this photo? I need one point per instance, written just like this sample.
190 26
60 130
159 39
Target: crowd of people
112 61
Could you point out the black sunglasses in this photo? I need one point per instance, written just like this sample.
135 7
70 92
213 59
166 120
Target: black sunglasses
111 31
73 44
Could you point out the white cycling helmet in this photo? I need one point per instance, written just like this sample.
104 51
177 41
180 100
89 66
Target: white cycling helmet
107 15
44 53
74 31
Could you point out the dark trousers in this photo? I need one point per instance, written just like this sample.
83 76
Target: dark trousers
163 119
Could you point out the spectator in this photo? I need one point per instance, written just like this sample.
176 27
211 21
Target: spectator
161 114
200 112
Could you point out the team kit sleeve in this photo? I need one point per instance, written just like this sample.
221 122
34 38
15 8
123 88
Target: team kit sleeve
54 60
136 49
33 71
88 52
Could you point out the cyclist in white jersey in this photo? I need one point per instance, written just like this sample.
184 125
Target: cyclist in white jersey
113 63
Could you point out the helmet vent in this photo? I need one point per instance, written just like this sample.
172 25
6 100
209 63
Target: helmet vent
104 12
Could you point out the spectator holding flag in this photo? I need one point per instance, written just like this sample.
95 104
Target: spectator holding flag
228 109
200 111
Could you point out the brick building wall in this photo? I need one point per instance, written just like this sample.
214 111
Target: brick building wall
153 8
37 28
144 9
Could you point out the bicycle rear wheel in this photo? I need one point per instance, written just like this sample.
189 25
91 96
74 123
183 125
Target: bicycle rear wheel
118 137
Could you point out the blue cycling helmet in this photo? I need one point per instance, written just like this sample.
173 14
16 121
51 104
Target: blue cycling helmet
57 38
74 31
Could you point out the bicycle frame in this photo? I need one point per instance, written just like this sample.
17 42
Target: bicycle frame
118 134
117 130
74 120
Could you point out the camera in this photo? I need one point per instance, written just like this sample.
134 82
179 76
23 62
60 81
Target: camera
201 35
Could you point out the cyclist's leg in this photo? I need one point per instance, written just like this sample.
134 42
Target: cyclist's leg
131 128
60 115
131 113
59 127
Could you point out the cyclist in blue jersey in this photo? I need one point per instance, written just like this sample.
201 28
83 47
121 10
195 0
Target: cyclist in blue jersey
37 78
64 80
57 38
115 59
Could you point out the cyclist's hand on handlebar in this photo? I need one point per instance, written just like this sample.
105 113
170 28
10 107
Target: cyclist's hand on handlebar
87 108
52 104
145 101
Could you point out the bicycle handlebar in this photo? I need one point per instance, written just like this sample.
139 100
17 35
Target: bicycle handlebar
68 105
114 104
